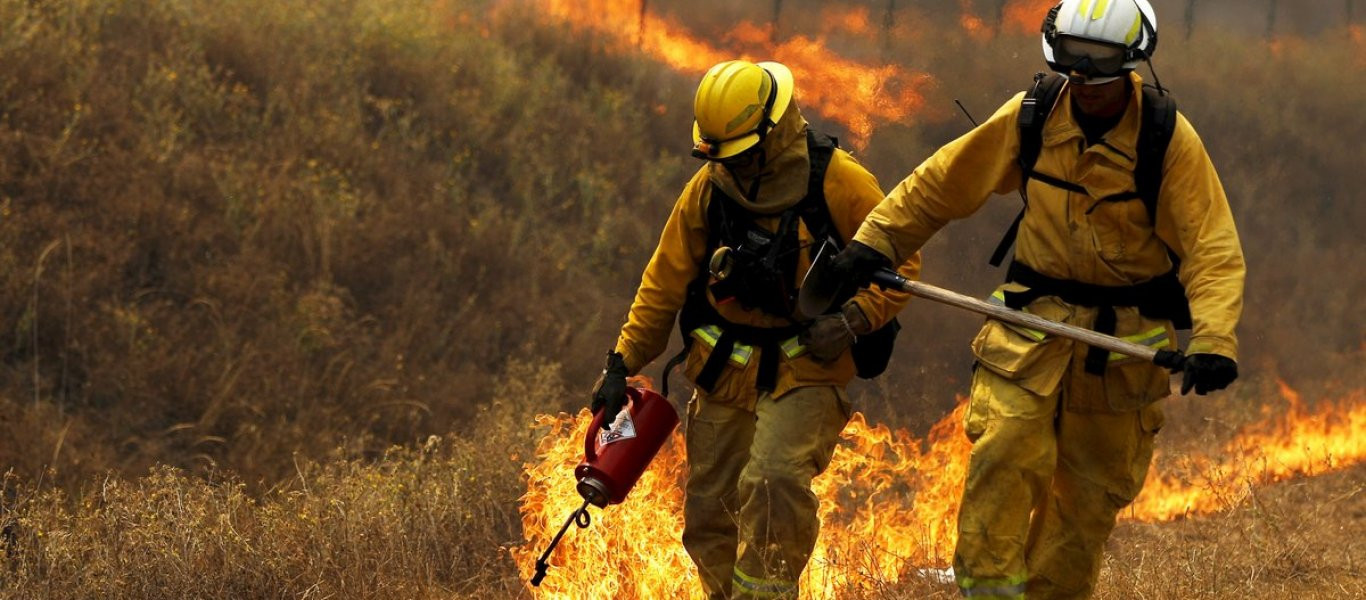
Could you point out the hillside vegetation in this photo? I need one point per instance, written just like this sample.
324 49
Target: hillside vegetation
282 284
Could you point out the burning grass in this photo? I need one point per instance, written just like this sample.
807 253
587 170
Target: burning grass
455 518
889 501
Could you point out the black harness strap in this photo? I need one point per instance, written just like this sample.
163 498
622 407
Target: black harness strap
716 362
1152 298
766 340
1055 182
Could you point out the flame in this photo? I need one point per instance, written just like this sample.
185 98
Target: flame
889 501
1296 443
1358 35
1287 46
889 504
976 28
853 21
850 93
1025 16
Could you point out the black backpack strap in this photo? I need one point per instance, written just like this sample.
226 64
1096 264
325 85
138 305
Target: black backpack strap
873 350
812 208
1157 128
1034 110
1155 135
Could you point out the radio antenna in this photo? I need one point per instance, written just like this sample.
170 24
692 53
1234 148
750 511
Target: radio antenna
965 112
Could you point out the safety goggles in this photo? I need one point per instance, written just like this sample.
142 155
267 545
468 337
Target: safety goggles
1089 58
743 159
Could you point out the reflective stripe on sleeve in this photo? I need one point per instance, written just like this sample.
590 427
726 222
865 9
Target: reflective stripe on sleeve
1153 338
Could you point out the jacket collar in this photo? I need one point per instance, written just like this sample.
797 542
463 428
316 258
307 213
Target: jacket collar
1120 144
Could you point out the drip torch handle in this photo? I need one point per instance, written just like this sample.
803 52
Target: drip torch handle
579 517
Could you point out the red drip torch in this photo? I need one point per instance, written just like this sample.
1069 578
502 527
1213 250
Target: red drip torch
615 458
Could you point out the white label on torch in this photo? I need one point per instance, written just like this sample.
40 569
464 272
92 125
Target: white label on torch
622 429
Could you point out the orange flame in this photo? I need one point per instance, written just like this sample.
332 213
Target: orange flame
1358 36
889 501
1296 443
847 92
888 504
853 21
1025 16
977 29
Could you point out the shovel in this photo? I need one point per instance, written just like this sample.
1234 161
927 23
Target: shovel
819 292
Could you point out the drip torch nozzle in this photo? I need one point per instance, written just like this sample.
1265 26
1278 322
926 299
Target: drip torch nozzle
578 517
593 491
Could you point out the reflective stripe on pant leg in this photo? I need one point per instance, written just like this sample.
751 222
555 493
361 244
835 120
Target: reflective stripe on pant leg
794 439
1012 461
1103 459
762 588
718 438
1010 587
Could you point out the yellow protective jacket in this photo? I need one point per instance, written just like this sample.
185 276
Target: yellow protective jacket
850 193
1071 236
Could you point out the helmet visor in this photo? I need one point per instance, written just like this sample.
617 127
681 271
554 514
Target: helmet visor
1089 57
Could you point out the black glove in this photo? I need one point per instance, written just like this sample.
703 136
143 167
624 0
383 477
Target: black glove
610 394
1207 373
856 263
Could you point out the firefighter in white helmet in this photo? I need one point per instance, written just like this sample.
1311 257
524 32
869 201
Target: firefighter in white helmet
1126 230
770 401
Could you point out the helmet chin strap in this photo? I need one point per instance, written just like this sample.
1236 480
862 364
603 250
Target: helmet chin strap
760 161
1156 80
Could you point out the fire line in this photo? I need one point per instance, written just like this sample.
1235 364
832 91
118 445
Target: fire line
888 500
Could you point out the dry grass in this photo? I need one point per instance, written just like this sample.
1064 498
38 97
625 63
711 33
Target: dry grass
435 520
253 255
1298 539
427 521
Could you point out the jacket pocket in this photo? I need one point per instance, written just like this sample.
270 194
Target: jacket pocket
1115 228
1031 359
1129 383
1132 383
1135 385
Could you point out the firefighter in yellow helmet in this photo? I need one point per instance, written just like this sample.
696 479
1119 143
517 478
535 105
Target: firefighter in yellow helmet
769 400
1123 210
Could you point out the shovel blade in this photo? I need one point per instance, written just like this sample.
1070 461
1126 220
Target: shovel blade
819 290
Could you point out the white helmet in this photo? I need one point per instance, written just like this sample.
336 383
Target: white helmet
1100 39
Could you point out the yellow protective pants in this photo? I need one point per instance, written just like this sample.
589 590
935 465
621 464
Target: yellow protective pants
750 516
1047 477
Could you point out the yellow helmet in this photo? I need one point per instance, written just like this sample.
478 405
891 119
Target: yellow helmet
736 105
